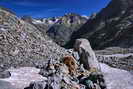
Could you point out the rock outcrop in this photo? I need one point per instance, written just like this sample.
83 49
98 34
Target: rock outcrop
87 55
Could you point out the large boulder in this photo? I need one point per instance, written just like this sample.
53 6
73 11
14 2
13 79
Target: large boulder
87 55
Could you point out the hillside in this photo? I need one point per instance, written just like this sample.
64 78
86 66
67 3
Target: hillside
112 26
21 44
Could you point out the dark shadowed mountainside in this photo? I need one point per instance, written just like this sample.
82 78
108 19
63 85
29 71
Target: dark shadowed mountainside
112 26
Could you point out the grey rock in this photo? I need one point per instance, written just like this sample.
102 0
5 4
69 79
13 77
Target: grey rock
82 68
97 86
116 57
37 85
22 44
76 55
5 74
87 55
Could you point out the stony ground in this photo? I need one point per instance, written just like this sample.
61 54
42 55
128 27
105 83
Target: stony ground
22 77
116 78
116 57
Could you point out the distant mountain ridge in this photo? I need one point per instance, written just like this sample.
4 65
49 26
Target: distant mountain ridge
59 29
62 30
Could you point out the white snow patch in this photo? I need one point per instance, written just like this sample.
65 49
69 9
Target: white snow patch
116 78
22 77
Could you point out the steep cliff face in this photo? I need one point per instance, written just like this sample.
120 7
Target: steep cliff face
112 26
21 43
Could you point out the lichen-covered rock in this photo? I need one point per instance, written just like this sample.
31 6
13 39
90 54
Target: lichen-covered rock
70 63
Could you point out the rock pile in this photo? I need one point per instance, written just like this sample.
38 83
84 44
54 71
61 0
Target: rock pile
22 44
68 74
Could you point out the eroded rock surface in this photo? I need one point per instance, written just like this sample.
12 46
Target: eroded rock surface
87 55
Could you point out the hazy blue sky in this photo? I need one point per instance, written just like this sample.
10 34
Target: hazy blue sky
50 8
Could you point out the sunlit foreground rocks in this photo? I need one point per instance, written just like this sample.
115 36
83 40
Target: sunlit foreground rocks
22 44
69 73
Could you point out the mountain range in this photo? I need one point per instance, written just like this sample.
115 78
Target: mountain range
112 26
59 29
